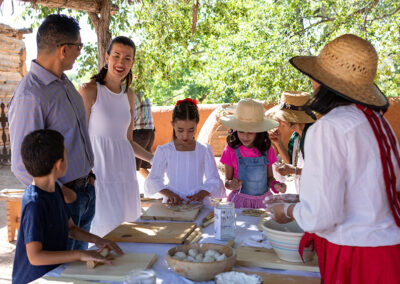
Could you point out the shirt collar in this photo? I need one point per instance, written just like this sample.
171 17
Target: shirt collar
44 75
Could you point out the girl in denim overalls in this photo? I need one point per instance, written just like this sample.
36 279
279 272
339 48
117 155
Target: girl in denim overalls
248 156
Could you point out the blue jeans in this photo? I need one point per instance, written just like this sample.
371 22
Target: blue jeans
82 212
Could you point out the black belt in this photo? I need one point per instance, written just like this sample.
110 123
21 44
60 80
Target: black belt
79 182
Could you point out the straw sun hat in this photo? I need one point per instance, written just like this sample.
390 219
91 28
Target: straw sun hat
290 108
248 116
346 65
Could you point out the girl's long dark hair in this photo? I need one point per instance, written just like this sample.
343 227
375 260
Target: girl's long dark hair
326 100
185 111
262 142
99 77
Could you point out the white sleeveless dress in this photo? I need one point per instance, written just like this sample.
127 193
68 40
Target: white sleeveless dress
117 189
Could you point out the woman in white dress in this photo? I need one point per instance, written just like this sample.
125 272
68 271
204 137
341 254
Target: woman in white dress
189 165
109 105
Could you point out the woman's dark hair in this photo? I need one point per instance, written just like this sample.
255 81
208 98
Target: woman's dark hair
55 30
261 142
326 100
185 111
99 77
40 150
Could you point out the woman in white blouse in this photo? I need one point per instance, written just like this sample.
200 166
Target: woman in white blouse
189 165
350 184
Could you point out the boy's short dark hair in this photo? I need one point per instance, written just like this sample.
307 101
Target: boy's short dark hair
40 150
57 29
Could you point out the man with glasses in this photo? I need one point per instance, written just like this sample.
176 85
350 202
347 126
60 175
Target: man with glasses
46 99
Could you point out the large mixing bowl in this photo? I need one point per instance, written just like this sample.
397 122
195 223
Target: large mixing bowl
285 240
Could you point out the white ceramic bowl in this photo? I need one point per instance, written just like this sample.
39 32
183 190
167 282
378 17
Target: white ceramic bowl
201 271
285 240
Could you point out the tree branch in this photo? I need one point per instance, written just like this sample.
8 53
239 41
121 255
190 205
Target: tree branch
102 26
88 5
385 16
195 10
366 9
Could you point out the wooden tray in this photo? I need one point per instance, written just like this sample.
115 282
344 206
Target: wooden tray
152 232
121 267
269 278
160 211
267 258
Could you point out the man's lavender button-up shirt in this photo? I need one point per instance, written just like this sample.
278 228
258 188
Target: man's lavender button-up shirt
44 101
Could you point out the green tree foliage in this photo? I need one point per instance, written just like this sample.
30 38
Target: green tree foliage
241 48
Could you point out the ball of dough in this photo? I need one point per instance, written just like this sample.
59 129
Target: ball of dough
192 252
190 258
208 259
199 257
179 255
220 257
210 252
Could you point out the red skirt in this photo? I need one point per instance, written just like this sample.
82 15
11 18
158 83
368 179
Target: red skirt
356 265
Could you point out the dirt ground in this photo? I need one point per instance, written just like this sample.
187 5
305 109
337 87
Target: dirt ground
7 250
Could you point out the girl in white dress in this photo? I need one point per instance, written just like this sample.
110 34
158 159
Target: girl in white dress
109 105
189 165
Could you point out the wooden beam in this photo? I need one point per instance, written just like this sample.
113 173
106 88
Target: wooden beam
90 6
9 31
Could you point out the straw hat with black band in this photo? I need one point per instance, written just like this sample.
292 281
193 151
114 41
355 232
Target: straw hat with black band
291 109
248 117
347 66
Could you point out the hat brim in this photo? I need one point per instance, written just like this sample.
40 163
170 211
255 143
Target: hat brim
369 95
288 115
232 122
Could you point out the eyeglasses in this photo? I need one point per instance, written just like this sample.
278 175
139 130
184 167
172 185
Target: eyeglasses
78 45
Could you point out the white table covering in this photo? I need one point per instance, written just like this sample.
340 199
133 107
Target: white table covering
246 226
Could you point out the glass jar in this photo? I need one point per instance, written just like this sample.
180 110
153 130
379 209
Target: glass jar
224 220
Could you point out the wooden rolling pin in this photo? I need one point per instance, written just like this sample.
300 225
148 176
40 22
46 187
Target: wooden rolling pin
208 219
194 236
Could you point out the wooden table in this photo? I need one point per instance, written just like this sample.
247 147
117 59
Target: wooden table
246 226
12 198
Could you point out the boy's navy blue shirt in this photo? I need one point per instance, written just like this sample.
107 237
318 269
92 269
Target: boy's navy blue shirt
44 218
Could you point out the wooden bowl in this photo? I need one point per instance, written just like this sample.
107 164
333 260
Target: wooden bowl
201 271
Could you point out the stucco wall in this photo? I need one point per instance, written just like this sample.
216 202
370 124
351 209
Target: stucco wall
163 115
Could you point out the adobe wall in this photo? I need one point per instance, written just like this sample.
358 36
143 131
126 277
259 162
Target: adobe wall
162 120
162 116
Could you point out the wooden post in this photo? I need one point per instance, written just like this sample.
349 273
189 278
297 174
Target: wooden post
102 27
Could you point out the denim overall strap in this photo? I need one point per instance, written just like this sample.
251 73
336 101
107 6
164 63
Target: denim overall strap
252 173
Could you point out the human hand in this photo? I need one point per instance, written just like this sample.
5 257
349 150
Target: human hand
275 136
93 255
280 187
172 198
198 197
285 169
103 243
69 195
234 184
277 211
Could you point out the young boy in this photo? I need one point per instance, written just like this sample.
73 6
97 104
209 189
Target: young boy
45 220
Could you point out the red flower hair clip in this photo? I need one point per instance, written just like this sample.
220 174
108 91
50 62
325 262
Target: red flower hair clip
187 100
